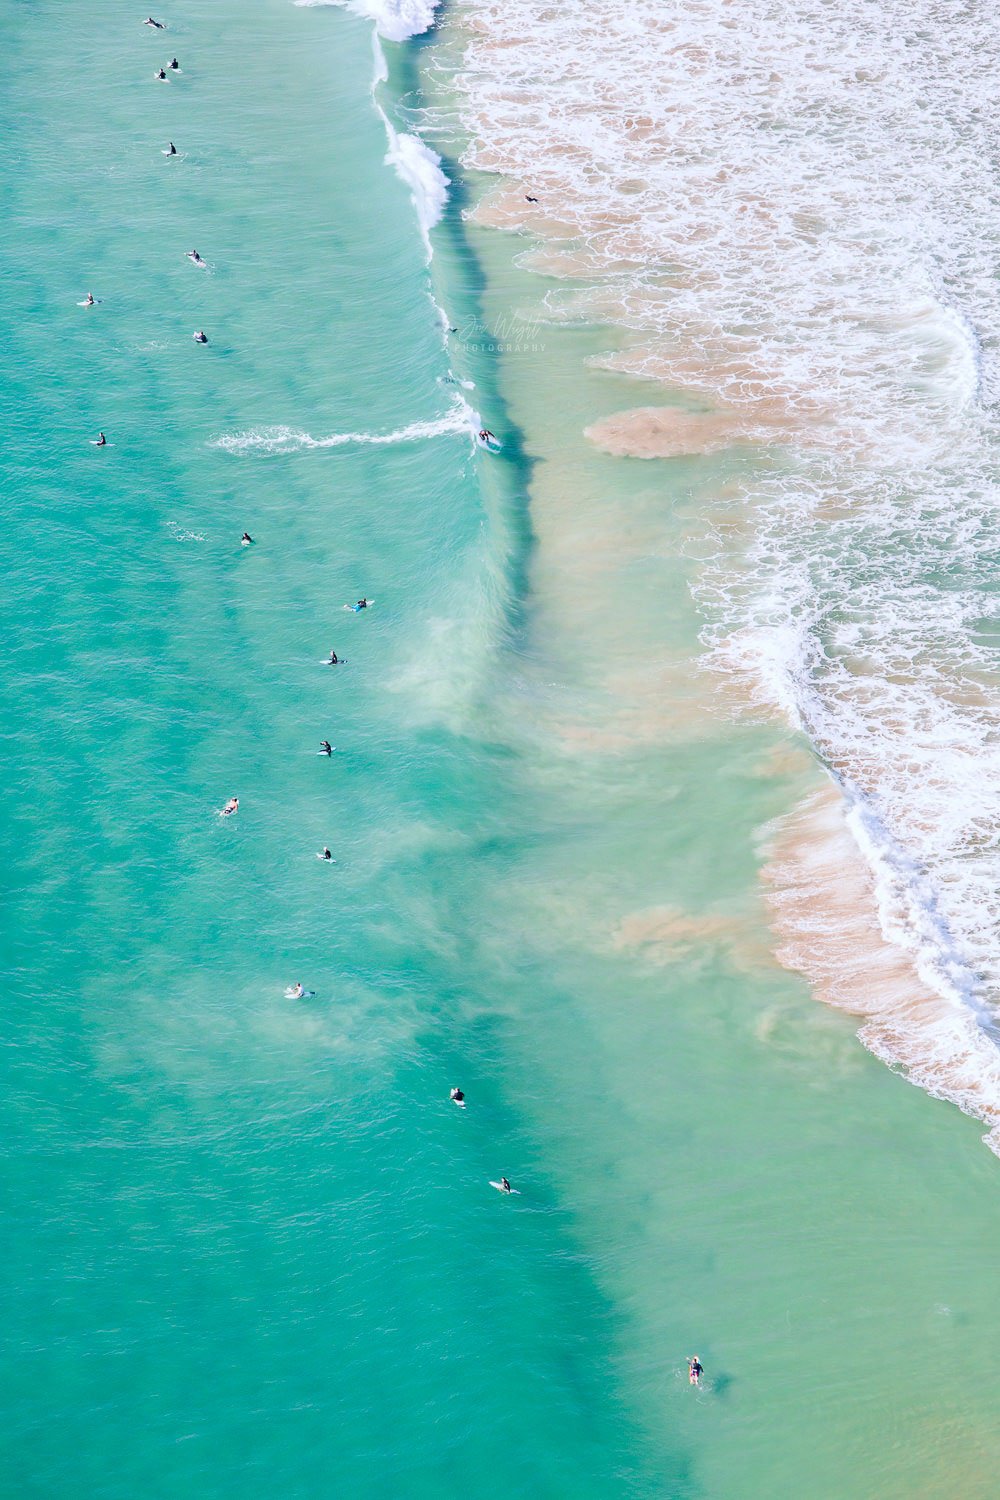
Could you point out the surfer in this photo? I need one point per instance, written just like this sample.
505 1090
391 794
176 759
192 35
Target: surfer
297 991
171 149
174 64
505 1186
325 854
201 337
150 22
695 1370
486 436
325 748
232 806
195 258
100 441
246 540
529 199
160 75
334 660
361 604
457 1097
91 300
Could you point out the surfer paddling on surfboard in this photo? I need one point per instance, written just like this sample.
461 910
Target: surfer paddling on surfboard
232 806
695 1370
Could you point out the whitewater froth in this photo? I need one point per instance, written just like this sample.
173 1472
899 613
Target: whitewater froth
795 212
281 439
396 20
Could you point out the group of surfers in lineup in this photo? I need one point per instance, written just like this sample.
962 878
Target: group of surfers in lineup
297 991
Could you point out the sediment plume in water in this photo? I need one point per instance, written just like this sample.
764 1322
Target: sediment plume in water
792 221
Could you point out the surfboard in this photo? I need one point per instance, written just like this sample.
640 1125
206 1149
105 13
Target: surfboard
326 662
305 995
95 302
355 609
501 1189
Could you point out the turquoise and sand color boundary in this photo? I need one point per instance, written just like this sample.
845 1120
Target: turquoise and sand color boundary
841 900
835 1214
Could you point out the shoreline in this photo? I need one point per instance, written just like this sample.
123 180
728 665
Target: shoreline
772 434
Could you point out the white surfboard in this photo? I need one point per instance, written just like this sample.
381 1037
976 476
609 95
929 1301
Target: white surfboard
501 1189
290 994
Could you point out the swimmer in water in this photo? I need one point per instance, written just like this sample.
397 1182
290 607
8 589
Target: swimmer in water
171 149
457 1097
100 441
232 806
325 748
326 854
246 540
174 64
505 1186
195 258
201 337
695 1370
150 22
160 75
334 660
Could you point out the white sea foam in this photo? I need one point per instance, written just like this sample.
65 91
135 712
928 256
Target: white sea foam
461 418
796 211
419 167
396 20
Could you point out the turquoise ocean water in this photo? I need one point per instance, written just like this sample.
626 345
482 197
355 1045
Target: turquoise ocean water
249 1246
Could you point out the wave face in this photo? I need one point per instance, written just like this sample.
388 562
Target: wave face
796 213
396 20
419 167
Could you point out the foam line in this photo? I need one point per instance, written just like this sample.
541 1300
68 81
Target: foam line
461 418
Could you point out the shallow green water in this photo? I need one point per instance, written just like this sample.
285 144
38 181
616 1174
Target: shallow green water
249 1246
